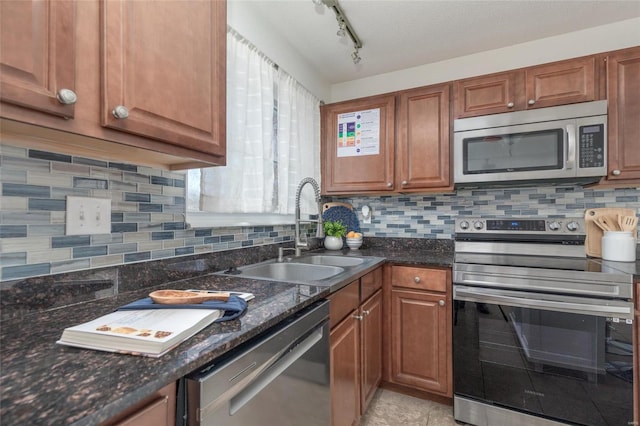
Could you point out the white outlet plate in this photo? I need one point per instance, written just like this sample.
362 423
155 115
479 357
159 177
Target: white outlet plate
86 216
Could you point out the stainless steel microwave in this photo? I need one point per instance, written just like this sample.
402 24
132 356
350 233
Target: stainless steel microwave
555 145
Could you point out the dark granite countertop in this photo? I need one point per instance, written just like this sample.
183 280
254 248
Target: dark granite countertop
45 383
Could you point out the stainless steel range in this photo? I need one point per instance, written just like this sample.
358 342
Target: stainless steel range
542 335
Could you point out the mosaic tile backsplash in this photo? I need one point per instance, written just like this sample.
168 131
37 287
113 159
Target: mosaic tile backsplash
148 207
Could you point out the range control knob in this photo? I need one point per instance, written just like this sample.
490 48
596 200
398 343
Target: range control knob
573 226
554 226
464 225
478 225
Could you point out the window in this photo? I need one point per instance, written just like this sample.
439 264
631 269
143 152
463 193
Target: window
273 142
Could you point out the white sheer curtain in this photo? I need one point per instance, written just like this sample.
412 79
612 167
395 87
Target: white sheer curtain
246 183
298 143
273 139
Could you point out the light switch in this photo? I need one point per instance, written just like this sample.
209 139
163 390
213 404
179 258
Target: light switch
87 215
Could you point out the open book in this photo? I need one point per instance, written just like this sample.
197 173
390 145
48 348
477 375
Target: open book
150 332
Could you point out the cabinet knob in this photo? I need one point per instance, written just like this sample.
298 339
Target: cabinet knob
389 185
616 172
404 182
510 105
367 312
441 302
358 317
416 279
67 96
531 101
120 112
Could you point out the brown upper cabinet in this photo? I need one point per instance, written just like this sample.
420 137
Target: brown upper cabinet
344 169
37 55
623 94
149 79
553 84
413 151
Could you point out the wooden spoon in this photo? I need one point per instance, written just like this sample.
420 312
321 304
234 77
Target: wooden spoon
183 297
628 223
603 223
611 222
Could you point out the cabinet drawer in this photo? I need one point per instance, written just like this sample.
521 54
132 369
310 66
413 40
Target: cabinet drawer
370 283
419 278
343 302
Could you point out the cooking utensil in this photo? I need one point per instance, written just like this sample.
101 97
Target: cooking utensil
628 223
604 223
183 297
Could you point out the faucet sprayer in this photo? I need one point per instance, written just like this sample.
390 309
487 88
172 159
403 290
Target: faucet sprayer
320 231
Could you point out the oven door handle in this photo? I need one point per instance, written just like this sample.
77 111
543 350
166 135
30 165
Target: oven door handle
483 295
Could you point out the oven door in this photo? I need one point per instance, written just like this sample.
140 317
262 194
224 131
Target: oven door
541 357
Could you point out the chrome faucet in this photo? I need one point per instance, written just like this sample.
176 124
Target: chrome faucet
320 231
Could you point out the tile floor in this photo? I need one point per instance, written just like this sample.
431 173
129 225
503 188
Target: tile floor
389 408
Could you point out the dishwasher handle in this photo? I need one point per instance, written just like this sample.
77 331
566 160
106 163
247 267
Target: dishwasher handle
245 395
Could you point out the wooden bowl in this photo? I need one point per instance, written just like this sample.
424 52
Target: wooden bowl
183 297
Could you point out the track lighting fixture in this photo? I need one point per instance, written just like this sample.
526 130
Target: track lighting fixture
354 55
344 26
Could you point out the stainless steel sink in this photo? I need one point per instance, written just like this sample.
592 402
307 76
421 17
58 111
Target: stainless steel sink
319 259
292 272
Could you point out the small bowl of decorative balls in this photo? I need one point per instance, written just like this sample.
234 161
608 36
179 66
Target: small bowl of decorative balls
354 240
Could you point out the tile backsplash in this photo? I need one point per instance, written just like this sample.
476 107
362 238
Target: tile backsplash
148 206
432 216
147 215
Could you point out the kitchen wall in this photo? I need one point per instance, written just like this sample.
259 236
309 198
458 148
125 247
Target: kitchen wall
148 207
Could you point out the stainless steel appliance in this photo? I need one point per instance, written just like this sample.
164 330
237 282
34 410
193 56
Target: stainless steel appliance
280 378
542 335
566 143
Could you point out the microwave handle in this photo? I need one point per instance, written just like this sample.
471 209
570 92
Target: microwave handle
570 147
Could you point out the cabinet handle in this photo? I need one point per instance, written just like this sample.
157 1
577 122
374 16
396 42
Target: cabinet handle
510 105
404 182
120 112
441 302
416 279
616 172
67 96
367 312
531 101
389 185
358 317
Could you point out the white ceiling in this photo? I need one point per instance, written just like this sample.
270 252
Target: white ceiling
400 34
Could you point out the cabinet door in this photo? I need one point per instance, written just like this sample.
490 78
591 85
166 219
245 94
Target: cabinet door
166 77
561 83
345 366
353 161
423 138
37 54
371 348
421 347
623 93
490 94
158 409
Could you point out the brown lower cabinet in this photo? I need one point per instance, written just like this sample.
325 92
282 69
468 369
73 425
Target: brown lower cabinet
158 409
418 329
356 347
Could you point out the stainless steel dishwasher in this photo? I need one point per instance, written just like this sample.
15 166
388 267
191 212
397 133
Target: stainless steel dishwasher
280 377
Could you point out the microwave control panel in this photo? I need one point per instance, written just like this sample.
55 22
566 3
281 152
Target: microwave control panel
591 146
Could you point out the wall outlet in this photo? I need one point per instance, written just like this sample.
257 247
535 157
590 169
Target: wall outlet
88 215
